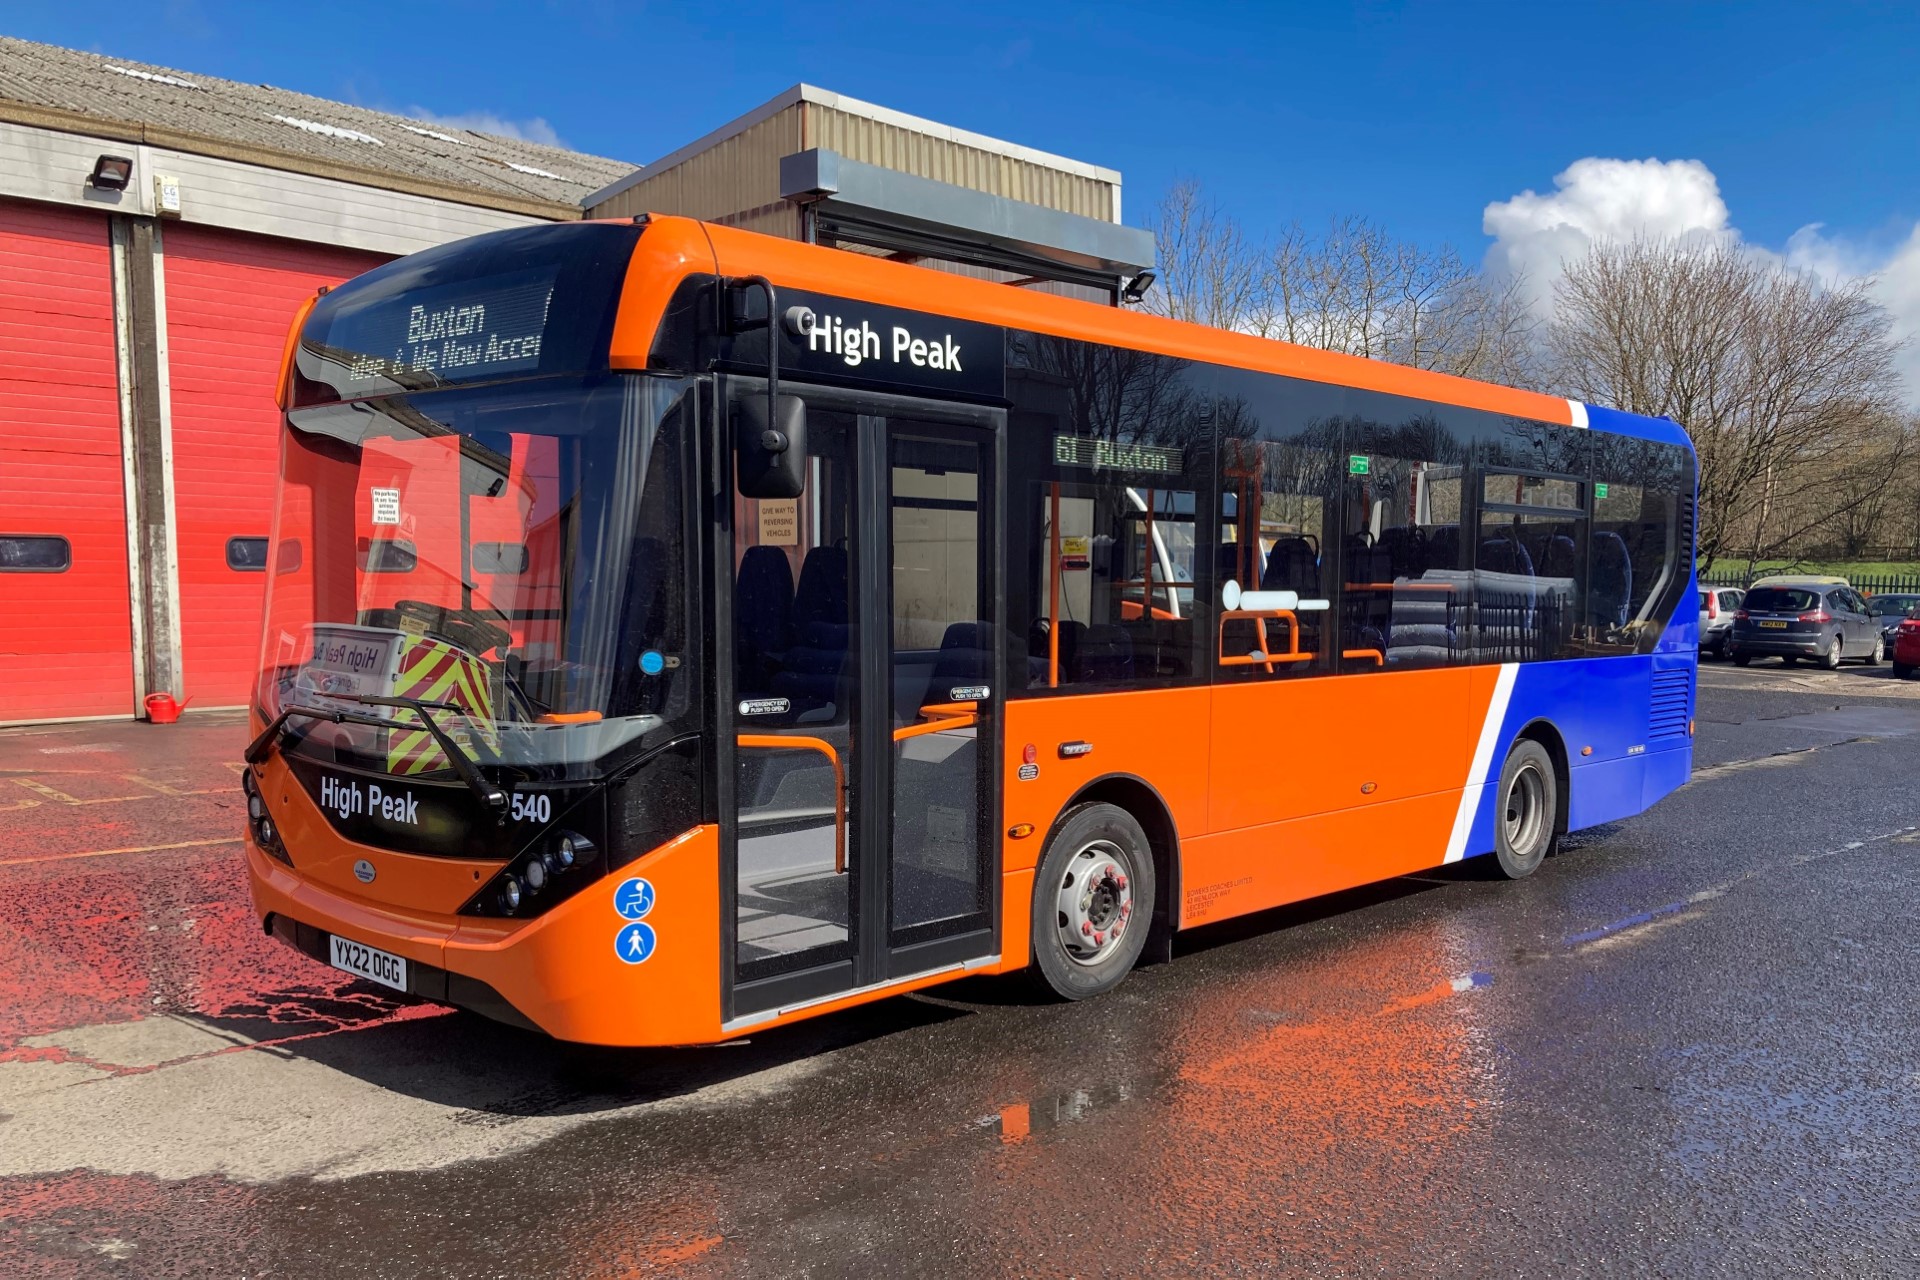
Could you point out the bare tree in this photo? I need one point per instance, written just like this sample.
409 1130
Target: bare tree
1780 378
1209 272
1357 289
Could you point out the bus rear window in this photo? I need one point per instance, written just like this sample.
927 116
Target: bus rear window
1779 600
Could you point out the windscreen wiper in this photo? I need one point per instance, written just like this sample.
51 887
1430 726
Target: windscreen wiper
489 795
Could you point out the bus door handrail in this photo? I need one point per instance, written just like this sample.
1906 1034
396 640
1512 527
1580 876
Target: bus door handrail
778 742
941 716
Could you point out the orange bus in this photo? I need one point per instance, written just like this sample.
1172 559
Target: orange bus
673 631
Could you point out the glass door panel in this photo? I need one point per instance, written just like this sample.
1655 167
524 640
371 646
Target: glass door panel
943 718
795 712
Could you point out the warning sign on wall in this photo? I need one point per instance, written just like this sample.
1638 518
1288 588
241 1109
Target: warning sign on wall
779 522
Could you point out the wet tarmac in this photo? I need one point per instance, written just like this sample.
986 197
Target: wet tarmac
1685 1046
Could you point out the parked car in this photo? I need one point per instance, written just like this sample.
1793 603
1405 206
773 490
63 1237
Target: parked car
1791 617
1717 606
1906 646
1891 610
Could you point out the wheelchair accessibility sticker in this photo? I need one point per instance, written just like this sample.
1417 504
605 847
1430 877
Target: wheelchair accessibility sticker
634 898
635 943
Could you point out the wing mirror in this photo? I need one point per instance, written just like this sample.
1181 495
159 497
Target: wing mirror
770 444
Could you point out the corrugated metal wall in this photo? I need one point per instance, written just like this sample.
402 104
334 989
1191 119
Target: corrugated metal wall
735 183
909 151
66 636
230 298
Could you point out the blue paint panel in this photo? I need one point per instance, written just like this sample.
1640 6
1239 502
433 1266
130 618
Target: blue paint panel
1606 792
1667 772
1620 423
1603 703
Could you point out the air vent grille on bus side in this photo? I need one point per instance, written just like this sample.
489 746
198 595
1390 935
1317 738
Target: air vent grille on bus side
1672 705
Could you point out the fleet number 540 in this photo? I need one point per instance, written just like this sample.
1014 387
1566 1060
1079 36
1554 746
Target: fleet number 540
532 807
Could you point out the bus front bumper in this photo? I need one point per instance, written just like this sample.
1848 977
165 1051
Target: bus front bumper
561 972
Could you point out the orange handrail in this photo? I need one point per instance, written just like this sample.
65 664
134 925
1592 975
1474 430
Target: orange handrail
1379 658
949 708
1259 618
906 731
778 742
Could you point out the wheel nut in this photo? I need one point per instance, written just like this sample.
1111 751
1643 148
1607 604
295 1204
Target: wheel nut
1099 939
1120 881
1086 926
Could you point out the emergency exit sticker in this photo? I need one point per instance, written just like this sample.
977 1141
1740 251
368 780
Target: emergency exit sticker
386 505
1599 491
1357 464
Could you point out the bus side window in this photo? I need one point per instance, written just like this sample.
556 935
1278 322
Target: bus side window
1115 595
1274 582
1406 593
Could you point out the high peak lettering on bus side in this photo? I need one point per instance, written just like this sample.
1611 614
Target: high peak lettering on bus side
856 344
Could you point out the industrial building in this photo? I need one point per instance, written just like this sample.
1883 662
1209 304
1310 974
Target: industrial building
158 229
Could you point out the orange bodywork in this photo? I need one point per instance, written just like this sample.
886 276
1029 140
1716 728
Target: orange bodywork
1279 788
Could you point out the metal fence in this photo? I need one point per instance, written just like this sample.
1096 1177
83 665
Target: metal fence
1865 584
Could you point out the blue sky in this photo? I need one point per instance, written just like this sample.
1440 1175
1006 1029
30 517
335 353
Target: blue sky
1419 115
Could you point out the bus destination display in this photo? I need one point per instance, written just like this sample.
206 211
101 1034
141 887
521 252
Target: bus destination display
466 331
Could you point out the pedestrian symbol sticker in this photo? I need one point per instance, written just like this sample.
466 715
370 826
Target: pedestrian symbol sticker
634 898
634 943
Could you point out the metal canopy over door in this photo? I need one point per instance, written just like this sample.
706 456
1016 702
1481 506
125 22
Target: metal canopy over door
865 624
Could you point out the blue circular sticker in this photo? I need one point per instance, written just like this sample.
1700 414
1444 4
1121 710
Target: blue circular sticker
635 942
652 663
634 898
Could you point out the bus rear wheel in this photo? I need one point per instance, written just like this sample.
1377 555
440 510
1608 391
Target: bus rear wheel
1526 810
1092 902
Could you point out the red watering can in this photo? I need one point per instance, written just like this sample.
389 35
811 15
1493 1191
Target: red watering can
162 709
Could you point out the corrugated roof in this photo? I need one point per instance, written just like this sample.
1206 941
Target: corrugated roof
65 88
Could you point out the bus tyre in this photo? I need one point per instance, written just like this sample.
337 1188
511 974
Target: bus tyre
1526 809
1092 902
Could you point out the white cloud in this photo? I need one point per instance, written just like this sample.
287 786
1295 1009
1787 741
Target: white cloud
1896 273
1598 199
534 130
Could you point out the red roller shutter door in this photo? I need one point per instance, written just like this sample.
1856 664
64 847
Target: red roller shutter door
230 298
66 637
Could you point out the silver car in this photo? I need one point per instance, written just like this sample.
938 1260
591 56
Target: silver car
1717 607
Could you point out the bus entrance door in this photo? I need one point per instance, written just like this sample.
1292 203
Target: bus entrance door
865 708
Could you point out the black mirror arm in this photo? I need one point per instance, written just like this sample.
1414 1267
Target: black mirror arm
773 345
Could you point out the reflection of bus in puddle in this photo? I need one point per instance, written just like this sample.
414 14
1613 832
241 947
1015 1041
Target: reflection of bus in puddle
1273 1099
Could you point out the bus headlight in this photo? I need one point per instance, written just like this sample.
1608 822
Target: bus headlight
265 835
510 894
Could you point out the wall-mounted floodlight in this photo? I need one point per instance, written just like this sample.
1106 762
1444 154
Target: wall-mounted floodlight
1136 289
111 173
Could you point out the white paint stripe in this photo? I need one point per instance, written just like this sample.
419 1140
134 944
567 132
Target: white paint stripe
1579 412
1482 761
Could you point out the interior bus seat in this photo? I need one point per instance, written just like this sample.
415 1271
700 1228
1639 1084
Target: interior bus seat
1367 562
966 657
1610 588
1406 551
1560 558
811 671
762 616
1292 566
1104 653
1037 650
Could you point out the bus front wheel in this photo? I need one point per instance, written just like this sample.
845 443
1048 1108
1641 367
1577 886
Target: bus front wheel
1092 902
1526 809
